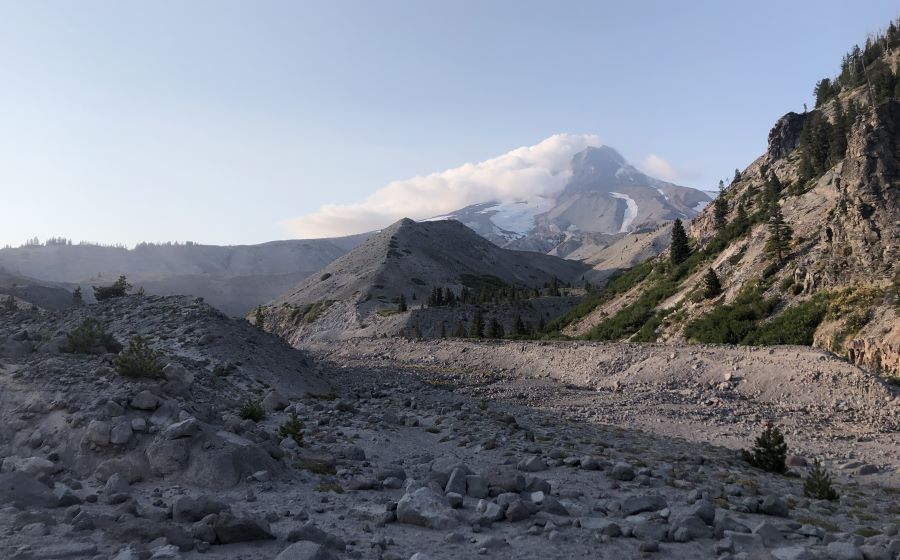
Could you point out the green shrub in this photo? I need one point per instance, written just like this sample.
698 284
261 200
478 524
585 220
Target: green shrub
90 337
618 283
818 483
138 360
769 451
118 289
252 409
732 323
292 428
795 325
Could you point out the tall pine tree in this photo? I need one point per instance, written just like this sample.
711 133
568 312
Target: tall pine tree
679 250
720 212
476 329
779 240
711 285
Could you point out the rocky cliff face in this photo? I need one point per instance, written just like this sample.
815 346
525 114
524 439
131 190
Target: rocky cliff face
839 280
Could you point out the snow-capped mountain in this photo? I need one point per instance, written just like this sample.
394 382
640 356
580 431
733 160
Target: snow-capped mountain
604 195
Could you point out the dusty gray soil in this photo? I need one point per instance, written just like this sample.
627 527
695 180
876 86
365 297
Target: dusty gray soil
418 450
705 393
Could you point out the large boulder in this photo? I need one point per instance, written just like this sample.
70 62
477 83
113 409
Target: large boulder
426 508
188 509
133 467
21 490
305 550
167 456
230 459
232 528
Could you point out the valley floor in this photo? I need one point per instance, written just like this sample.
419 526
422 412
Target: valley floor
427 450
721 395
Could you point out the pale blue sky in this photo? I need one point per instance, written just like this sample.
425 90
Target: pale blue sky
216 121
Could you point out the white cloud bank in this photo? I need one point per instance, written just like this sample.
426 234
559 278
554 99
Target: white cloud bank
656 166
525 173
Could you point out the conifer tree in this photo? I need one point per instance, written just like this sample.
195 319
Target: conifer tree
401 305
712 287
460 331
818 483
742 219
77 298
476 329
494 329
779 240
679 250
449 297
259 318
769 451
443 330
737 176
837 144
720 212
519 326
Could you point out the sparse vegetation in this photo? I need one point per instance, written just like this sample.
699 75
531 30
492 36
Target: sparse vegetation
90 337
795 325
292 428
314 466
308 313
329 487
138 360
259 318
769 451
119 288
252 409
818 483
732 323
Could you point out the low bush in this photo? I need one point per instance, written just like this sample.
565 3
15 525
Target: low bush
138 360
252 409
292 428
795 325
732 323
769 451
818 483
118 289
90 337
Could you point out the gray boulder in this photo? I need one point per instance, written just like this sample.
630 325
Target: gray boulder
426 508
21 490
231 528
188 509
309 532
305 550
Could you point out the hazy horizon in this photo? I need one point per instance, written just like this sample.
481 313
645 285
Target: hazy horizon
222 122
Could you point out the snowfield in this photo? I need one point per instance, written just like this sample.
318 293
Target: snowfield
631 210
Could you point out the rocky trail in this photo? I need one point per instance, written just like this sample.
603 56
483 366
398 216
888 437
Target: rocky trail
399 456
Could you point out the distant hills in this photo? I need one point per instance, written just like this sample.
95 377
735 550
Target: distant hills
593 218
360 293
231 278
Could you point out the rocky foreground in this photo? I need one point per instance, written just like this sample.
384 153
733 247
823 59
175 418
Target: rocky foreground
392 461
